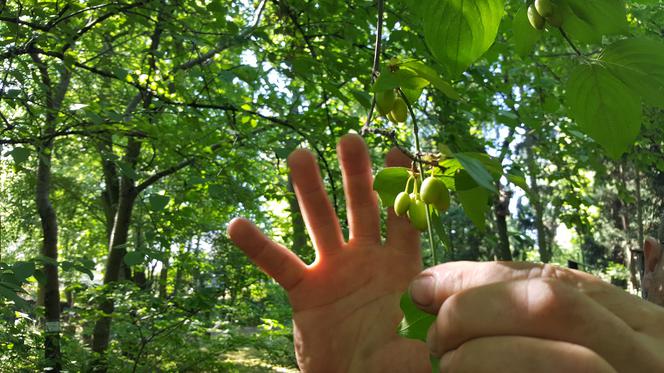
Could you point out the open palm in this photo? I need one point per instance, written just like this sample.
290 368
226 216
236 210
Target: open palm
346 303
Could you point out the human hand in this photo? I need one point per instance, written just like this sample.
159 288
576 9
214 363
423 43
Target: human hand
346 303
519 317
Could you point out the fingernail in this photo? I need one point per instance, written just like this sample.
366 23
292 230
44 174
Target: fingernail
421 290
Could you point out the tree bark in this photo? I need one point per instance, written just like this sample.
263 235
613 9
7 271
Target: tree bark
50 289
501 210
163 274
297 222
117 251
535 199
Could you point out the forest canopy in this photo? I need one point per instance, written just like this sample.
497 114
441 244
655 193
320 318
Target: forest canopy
132 132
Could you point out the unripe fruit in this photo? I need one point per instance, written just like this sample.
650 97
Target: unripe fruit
401 204
550 10
545 8
434 192
417 213
536 20
385 101
391 118
556 19
399 110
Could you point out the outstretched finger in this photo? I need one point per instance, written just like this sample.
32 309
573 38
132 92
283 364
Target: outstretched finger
363 216
317 211
400 233
275 260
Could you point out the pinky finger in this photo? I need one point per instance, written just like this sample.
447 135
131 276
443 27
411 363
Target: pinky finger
522 355
275 260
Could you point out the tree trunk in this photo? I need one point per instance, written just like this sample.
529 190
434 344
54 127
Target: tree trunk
163 275
501 210
297 222
535 199
117 251
50 289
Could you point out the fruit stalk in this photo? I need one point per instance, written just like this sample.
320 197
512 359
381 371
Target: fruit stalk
416 133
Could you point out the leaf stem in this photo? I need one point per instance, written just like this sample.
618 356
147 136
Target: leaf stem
416 133
569 41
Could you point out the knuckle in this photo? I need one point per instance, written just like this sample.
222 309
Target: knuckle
547 296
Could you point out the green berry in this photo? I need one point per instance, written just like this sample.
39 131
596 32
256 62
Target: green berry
391 118
434 192
550 10
417 213
399 110
545 8
536 20
385 101
401 204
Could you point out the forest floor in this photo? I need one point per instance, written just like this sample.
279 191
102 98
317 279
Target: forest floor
250 360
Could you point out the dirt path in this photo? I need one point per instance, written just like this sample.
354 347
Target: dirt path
249 360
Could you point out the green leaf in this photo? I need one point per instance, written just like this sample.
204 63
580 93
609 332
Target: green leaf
405 79
133 258
389 182
476 170
158 202
430 74
588 20
439 228
639 64
458 32
11 295
524 36
40 276
474 199
362 98
415 322
604 107
435 364
19 154
23 270
85 270
516 177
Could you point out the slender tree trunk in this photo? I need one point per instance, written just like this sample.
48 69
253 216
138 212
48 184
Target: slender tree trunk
639 220
177 284
501 210
50 289
297 222
117 251
630 255
163 274
535 198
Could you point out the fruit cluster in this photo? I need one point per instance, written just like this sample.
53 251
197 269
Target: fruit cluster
542 11
392 106
432 192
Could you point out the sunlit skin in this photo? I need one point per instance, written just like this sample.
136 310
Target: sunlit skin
345 304
491 317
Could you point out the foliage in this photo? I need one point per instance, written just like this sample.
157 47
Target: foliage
549 142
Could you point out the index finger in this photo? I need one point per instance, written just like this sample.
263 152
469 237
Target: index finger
433 286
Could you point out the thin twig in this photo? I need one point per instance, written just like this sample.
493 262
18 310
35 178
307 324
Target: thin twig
564 34
376 60
416 133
